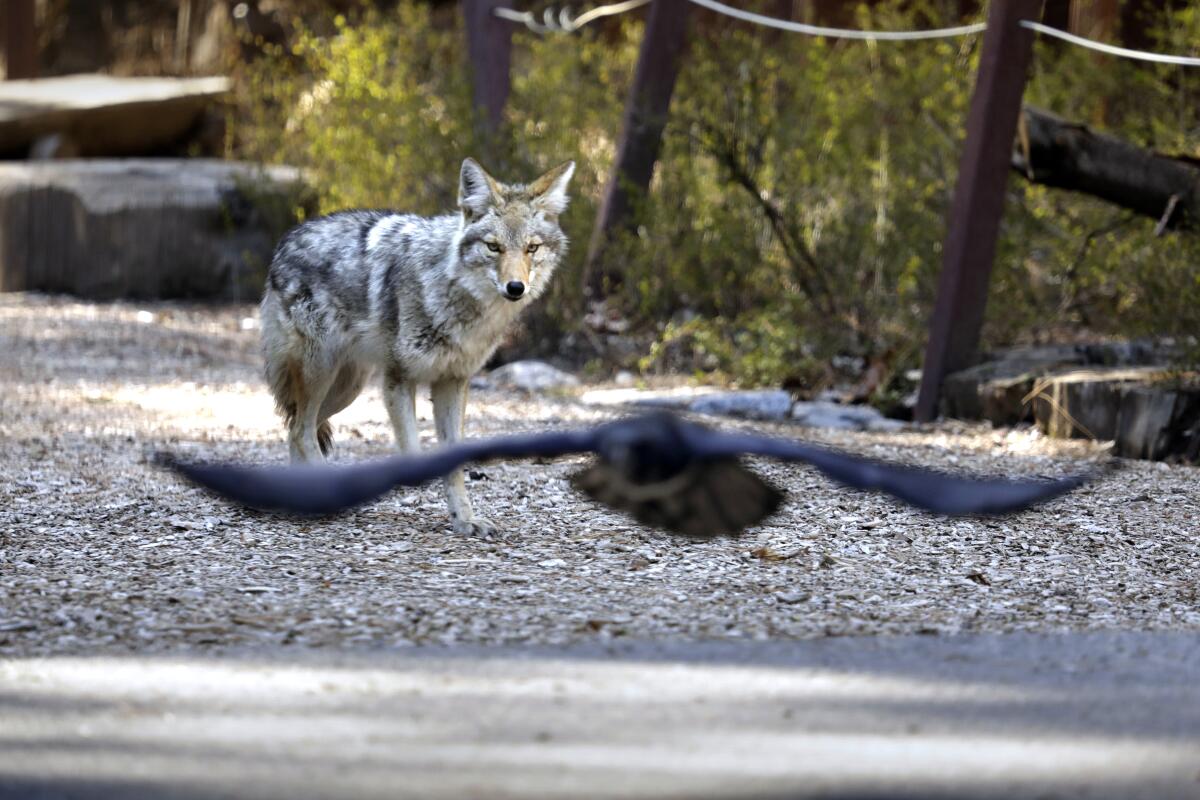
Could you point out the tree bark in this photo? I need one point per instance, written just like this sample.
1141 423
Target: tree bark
489 46
20 40
641 135
1068 155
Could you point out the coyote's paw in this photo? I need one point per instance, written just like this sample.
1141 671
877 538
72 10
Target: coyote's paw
476 526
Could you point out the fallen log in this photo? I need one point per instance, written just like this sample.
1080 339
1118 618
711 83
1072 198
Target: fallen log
1067 155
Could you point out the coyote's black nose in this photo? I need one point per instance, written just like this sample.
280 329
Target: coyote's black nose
514 289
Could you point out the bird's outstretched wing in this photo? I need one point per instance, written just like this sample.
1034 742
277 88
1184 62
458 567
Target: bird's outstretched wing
923 488
663 470
328 489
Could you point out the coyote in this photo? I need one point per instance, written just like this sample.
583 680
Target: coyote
421 300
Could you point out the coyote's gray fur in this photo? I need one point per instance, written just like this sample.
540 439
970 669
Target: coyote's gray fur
420 300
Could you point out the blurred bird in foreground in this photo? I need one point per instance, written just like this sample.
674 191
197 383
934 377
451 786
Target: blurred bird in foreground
662 470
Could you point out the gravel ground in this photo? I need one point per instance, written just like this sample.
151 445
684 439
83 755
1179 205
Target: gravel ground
102 551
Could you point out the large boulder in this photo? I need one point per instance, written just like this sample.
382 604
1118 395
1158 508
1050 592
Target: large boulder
141 228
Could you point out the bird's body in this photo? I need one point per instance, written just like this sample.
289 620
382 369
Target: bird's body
663 470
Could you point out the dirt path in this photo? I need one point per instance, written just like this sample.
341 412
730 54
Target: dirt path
101 551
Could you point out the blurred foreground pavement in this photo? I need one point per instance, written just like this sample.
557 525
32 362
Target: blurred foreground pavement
1094 715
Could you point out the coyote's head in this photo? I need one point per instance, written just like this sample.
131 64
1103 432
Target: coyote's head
511 241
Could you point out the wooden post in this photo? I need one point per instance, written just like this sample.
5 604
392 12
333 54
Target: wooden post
970 245
489 47
20 40
641 131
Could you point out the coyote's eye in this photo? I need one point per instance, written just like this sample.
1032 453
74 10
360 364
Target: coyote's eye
495 248
533 248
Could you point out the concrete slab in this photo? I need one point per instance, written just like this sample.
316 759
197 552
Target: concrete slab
1047 716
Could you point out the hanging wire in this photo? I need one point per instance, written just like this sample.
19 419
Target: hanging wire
1124 52
528 20
838 33
607 11
563 22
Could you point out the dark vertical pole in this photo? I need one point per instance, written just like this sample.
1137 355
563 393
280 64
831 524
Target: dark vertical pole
974 225
967 8
831 13
641 130
1057 14
780 9
20 40
1137 21
489 46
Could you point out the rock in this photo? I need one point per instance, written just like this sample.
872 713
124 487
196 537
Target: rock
820 414
103 115
997 390
1126 354
162 228
886 425
625 378
771 404
678 399
531 376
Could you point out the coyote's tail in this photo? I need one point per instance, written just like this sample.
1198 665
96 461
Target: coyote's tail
286 380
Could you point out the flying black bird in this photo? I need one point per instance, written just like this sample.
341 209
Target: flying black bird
664 471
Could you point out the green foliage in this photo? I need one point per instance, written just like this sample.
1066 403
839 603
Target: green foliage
810 182
378 113
799 205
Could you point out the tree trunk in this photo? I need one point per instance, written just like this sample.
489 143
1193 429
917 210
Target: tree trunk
1068 155
646 110
20 40
489 46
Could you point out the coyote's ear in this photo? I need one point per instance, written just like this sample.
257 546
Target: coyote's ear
550 191
476 189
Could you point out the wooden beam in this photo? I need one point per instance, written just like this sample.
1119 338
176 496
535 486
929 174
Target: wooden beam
974 223
489 48
641 133
20 40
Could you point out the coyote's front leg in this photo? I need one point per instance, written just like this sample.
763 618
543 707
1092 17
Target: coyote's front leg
449 403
